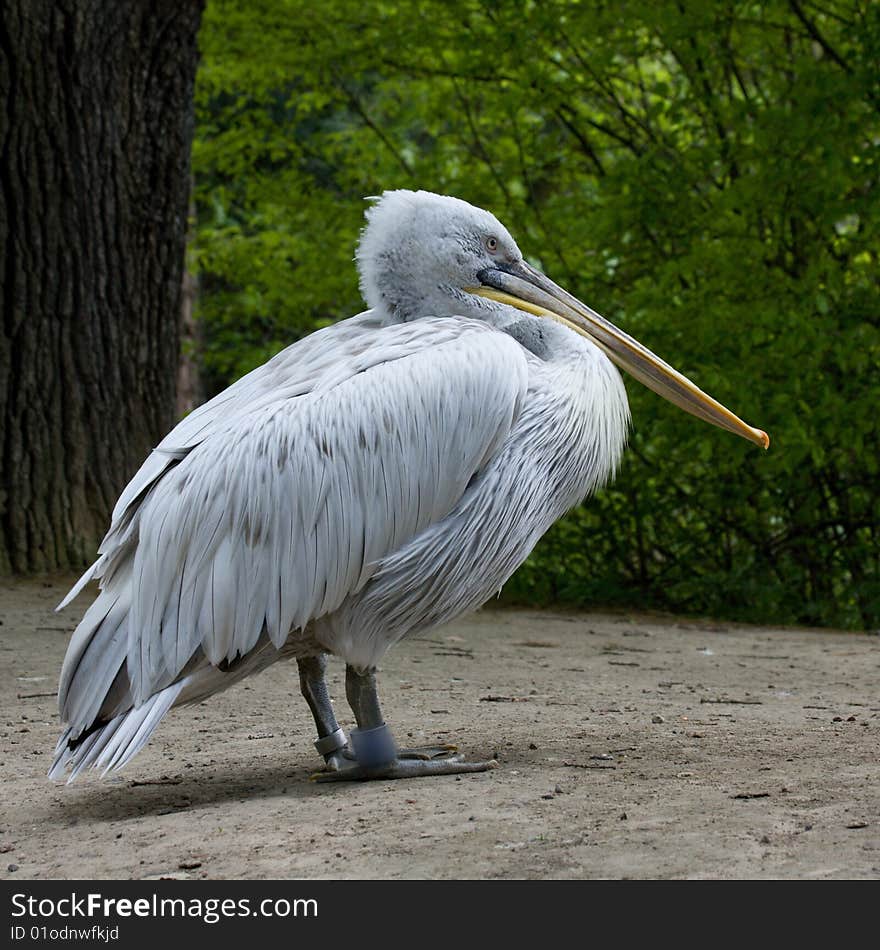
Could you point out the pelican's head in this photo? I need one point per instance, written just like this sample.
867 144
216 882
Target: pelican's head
420 251
423 254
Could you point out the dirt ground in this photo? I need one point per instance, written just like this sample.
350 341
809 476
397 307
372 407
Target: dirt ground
629 747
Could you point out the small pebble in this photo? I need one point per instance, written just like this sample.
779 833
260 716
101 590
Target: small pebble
11 867
657 719
857 824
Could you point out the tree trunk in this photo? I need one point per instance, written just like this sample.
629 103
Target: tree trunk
189 382
96 123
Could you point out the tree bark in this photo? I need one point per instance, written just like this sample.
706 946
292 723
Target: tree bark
96 124
189 381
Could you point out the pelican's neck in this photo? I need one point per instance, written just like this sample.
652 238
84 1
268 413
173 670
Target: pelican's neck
400 303
549 341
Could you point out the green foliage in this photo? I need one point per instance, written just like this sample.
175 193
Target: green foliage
705 174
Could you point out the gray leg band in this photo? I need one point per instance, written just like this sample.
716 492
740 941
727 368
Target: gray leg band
373 747
332 743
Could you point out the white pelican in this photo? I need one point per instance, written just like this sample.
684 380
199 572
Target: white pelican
373 480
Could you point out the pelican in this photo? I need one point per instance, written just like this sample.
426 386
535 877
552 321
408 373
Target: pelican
377 478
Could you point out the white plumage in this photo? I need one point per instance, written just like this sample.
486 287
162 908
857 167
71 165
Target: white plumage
375 479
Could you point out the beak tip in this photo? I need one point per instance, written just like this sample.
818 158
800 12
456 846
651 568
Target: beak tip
763 439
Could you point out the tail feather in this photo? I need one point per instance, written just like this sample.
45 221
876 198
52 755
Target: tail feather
114 744
105 727
94 658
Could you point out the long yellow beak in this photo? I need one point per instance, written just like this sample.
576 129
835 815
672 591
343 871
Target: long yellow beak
527 289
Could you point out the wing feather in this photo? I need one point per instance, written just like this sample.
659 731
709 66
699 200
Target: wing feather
279 510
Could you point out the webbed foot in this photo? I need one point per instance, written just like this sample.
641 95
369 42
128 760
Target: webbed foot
375 756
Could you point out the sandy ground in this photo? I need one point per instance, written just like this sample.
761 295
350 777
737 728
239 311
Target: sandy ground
629 747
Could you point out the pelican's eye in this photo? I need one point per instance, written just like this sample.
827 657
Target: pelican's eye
491 244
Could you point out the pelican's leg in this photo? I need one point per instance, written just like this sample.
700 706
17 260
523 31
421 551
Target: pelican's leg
331 741
375 752
373 737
